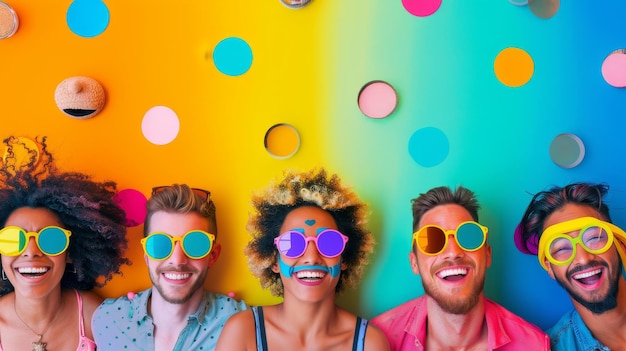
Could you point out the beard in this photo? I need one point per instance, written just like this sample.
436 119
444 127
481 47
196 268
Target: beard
454 304
164 291
598 305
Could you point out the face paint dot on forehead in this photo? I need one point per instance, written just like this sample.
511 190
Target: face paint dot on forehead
309 222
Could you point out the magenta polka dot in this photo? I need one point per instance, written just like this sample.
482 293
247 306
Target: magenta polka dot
614 69
133 202
377 99
421 8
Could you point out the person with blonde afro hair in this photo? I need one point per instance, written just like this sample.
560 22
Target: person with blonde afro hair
300 208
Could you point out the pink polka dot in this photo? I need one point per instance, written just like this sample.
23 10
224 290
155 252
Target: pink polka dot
421 8
160 125
614 70
133 203
377 99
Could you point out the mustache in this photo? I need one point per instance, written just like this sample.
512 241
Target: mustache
590 265
180 268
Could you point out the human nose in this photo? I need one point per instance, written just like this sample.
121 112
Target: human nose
311 253
32 249
452 248
581 255
178 255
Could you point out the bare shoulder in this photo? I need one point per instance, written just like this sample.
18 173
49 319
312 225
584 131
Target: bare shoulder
375 339
239 333
91 301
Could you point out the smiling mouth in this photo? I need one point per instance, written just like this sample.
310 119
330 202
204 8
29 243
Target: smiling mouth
76 112
33 271
452 274
176 276
588 278
310 276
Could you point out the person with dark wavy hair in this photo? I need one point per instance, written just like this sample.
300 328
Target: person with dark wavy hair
62 235
570 230
309 242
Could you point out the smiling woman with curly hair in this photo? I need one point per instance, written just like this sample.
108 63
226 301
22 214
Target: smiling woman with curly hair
309 242
62 235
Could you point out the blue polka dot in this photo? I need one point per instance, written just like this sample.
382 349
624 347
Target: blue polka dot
88 18
232 56
429 146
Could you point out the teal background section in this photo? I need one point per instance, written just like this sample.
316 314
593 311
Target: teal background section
499 137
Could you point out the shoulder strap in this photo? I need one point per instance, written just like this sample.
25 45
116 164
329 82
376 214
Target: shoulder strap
81 321
358 344
259 322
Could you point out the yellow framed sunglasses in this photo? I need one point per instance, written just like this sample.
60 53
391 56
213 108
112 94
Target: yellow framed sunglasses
51 240
432 239
594 236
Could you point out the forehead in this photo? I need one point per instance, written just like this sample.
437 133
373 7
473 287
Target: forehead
308 217
32 219
447 216
177 224
569 212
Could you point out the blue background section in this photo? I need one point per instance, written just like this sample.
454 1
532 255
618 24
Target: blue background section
498 137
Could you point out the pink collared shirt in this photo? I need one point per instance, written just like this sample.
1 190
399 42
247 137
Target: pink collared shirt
405 328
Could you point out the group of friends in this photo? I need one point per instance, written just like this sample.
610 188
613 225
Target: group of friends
62 234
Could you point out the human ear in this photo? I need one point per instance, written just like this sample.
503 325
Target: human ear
413 260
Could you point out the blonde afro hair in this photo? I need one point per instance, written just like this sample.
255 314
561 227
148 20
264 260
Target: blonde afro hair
311 188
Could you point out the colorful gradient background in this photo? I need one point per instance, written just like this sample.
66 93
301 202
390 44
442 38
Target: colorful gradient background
308 66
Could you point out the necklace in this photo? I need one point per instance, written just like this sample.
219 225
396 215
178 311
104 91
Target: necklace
39 345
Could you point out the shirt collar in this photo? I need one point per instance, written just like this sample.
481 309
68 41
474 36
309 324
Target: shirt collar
139 312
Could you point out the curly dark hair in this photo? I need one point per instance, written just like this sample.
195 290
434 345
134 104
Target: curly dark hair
312 188
85 207
544 203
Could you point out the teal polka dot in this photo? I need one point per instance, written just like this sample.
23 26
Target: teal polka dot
88 18
232 56
428 146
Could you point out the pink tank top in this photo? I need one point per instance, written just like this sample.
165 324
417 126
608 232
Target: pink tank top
84 343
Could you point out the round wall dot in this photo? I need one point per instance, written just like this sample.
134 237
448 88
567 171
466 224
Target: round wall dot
519 2
295 4
133 202
377 99
614 68
160 125
8 21
88 18
80 97
429 146
544 8
20 152
232 56
513 67
567 150
282 141
421 8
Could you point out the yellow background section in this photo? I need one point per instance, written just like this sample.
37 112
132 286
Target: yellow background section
159 53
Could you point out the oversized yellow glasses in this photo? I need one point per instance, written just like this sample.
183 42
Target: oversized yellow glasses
51 240
432 239
594 236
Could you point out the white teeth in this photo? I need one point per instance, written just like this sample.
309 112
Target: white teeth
449 272
587 274
310 274
31 270
176 276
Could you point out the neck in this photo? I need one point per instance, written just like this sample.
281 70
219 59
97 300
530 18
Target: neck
309 316
39 314
447 331
164 312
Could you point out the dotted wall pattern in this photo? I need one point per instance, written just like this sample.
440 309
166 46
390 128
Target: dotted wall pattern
504 97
